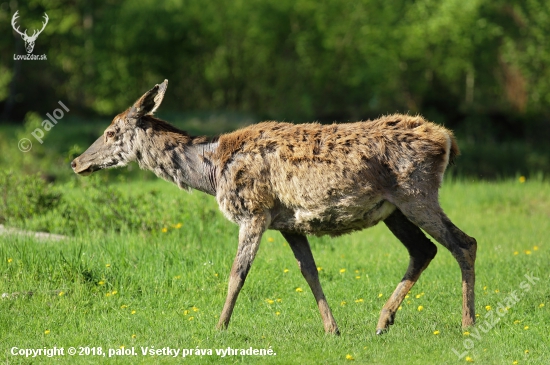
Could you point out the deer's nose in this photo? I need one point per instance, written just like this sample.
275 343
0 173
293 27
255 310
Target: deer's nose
73 164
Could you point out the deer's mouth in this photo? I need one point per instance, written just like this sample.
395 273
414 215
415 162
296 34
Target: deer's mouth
82 169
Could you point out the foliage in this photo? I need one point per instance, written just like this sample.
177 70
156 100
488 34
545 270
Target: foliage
293 59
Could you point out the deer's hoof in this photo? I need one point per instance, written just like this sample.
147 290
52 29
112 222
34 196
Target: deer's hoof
381 331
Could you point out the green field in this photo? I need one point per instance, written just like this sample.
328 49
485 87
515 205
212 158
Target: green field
164 286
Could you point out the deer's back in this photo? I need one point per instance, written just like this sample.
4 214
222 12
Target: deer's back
332 179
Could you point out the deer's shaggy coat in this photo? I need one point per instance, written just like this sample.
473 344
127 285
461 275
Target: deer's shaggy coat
305 179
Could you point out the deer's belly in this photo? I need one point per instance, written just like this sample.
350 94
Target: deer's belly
334 221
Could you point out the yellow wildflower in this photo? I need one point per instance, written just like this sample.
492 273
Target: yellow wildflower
114 292
420 308
515 362
123 306
270 301
195 309
278 300
47 332
270 239
527 252
400 307
319 268
342 271
107 265
516 253
521 179
349 357
487 307
436 332
343 303
526 327
380 295
191 318
358 277
497 291
107 294
178 226
133 312
517 321
102 282
286 270
299 290
185 312
134 336
277 313
164 229
466 333
526 351
469 359
61 293
541 305
535 248
407 296
360 300
10 260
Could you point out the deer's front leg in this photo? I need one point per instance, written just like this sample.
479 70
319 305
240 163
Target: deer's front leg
250 235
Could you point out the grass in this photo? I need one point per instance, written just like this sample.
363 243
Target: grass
166 288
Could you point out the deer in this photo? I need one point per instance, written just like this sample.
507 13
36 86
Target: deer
305 179
29 40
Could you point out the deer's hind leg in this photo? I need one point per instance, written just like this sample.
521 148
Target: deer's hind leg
421 252
428 215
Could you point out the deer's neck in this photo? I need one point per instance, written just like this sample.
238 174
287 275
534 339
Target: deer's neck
177 159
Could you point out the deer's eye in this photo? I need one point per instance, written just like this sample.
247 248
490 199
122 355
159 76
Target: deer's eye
110 134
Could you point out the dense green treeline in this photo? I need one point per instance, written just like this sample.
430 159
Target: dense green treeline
481 66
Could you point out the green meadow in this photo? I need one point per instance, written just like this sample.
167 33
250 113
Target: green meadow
145 266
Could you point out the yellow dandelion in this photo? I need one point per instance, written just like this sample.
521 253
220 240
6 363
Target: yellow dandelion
541 305
343 303
407 296
400 307
417 296
485 287
185 312
380 295
107 265
191 318
299 290
517 321
420 308
358 277
521 179
10 260
107 294
477 315
270 301
526 327
469 359
178 277
349 357
526 351
497 291
122 346
516 253
527 252
270 239
278 300
535 248
123 306
164 229
436 332
195 309
342 271
216 274
319 268
133 312
515 362
47 332
487 307
408 302
114 292
357 271
101 282
277 313
61 293
178 226
286 270
360 300
134 336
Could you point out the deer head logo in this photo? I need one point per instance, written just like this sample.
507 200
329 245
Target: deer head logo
29 40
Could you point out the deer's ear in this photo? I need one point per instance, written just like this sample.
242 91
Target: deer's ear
149 102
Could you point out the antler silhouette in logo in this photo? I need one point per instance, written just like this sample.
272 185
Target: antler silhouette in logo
29 40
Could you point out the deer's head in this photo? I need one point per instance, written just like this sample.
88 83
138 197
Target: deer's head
29 40
117 146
